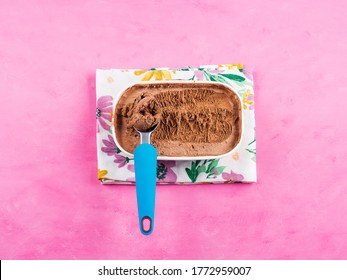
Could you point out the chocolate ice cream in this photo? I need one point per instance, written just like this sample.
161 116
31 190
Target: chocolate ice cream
146 115
196 119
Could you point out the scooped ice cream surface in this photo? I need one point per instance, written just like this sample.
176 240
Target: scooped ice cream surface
196 119
146 115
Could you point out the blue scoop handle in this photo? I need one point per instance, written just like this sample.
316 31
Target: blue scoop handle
145 160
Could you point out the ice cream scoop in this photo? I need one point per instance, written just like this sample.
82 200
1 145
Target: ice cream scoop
145 120
146 115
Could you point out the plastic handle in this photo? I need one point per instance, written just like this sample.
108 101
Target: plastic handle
145 160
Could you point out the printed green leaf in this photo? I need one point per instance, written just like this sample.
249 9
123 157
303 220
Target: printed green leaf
233 77
212 165
219 169
251 151
161 171
248 83
240 84
251 142
213 78
217 78
190 174
201 169
207 76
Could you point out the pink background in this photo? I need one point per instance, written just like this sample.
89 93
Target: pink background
53 207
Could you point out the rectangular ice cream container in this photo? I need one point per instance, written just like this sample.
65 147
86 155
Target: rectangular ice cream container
162 157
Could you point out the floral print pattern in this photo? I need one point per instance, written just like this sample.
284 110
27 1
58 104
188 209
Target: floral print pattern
165 172
111 149
232 177
156 74
251 149
235 156
231 66
104 112
248 100
120 160
102 174
209 167
110 146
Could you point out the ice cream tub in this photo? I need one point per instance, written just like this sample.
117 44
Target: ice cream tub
200 120
116 162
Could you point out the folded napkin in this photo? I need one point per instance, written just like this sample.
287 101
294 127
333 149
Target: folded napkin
116 168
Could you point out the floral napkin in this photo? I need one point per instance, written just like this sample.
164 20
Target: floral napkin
116 168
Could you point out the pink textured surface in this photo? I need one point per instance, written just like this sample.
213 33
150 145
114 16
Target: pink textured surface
52 206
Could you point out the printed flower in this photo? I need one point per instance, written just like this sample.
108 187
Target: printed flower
216 71
102 174
131 179
156 74
120 160
104 112
199 75
214 173
110 146
112 150
110 79
131 168
235 156
165 172
233 177
248 74
230 66
248 100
